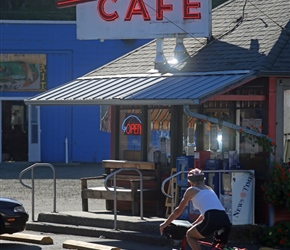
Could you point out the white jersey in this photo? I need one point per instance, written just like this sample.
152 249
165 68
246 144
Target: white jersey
205 200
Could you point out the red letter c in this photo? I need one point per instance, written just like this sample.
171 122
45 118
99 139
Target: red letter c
103 14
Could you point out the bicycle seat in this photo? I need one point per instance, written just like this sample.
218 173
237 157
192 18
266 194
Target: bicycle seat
221 237
175 232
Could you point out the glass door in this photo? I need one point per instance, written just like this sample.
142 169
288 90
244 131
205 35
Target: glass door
14 146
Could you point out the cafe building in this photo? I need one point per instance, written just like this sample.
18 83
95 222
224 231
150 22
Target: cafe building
193 95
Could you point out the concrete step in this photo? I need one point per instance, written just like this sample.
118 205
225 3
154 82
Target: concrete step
136 236
101 224
104 220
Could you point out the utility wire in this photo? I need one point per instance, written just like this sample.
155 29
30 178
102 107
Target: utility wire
280 26
191 36
239 21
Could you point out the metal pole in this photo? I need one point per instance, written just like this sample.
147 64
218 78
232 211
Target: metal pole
54 189
141 195
172 195
32 186
115 203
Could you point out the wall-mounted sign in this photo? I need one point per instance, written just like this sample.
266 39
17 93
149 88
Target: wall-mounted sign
138 19
132 125
22 72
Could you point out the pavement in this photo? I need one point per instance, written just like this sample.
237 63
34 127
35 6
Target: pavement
69 219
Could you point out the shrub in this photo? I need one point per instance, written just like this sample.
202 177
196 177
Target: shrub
277 235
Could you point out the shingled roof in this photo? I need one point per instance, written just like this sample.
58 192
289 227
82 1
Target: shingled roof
246 35
250 38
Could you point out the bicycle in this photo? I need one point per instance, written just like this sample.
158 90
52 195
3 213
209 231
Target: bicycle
176 232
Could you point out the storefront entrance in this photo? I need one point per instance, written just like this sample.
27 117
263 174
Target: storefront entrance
14 117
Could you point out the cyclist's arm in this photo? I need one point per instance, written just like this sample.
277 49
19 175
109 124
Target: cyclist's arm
198 220
189 193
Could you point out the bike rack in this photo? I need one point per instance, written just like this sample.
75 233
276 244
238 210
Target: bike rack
115 190
207 171
32 180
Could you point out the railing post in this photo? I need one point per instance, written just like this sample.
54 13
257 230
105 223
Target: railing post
115 202
32 186
32 181
115 190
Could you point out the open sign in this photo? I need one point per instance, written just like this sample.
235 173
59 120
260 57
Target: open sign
137 19
132 125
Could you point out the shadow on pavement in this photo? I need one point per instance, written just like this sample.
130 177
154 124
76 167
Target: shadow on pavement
11 170
17 246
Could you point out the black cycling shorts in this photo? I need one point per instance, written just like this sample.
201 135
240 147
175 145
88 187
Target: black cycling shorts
213 220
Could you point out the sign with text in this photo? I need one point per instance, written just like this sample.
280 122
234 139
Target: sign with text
132 125
22 72
143 19
242 198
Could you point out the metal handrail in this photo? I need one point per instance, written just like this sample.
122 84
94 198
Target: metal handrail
206 171
115 190
32 180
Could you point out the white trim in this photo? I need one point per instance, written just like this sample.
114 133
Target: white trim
34 149
112 102
234 72
36 22
13 98
1 131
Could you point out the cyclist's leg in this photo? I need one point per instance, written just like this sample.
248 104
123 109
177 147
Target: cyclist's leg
221 236
192 235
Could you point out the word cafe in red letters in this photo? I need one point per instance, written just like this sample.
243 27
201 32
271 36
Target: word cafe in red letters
108 19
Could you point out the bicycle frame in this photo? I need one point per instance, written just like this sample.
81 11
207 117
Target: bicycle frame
203 243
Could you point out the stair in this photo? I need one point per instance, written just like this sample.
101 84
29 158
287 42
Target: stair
100 224
132 228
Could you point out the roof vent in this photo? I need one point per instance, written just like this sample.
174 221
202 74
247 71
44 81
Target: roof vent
160 60
180 51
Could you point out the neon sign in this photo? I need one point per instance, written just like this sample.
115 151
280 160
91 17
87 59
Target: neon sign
138 7
70 3
133 19
132 125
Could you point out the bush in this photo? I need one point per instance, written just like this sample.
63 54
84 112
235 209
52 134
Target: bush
277 187
277 235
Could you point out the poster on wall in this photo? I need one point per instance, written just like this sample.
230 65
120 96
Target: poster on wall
22 72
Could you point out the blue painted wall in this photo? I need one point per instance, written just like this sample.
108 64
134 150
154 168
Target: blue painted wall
67 59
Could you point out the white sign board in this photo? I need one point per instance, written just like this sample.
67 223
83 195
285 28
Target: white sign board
242 195
143 19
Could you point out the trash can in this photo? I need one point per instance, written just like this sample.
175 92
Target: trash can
212 179
184 163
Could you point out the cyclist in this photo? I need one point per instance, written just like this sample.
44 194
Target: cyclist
212 219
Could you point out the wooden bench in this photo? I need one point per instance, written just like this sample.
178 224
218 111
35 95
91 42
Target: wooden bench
128 186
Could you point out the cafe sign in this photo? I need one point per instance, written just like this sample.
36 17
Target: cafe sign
143 19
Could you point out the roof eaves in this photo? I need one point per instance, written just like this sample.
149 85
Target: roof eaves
236 83
111 102
268 73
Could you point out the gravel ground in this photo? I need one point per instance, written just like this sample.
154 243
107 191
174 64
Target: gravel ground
68 186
